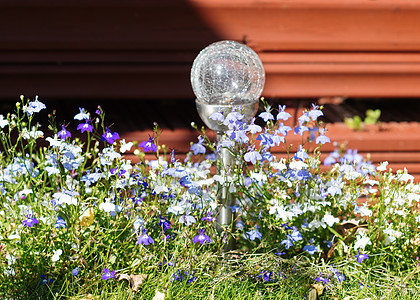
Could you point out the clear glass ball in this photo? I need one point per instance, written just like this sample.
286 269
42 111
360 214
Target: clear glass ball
227 73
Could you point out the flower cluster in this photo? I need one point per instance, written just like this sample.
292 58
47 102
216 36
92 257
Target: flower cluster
77 207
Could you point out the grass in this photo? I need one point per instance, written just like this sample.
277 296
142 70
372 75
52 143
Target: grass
239 277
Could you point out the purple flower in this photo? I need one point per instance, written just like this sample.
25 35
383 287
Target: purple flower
164 223
145 239
109 136
282 115
76 271
208 217
322 279
85 127
201 237
267 276
63 133
30 222
148 145
107 274
361 257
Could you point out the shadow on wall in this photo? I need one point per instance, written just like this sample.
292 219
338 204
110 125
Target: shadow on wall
99 49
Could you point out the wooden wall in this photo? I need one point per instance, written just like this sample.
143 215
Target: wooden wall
143 49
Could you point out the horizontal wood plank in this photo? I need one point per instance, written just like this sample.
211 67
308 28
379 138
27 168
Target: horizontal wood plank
145 49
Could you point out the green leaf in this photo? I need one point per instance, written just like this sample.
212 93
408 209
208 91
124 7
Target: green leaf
372 116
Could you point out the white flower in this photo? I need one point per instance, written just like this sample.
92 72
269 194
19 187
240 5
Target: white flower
361 241
404 176
298 165
54 142
281 166
363 210
329 219
125 146
56 255
160 189
382 166
63 198
3 122
110 208
259 177
316 224
392 235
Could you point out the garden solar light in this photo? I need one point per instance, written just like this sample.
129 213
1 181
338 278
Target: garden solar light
226 76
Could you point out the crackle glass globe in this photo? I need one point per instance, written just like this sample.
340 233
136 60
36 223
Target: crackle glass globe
227 73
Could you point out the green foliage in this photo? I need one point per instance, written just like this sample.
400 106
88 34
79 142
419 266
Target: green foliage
356 122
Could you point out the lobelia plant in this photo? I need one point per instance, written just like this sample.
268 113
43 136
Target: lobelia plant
75 209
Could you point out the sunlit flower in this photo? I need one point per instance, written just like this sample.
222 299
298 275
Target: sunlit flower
107 274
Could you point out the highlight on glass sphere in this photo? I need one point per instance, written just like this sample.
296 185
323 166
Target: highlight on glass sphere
227 73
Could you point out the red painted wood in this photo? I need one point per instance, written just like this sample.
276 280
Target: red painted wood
144 49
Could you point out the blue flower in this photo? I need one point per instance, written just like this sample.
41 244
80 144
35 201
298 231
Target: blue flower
107 274
60 222
315 112
201 237
187 219
279 253
148 145
322 138
252 156
198 147
301 129
75 271
181 276
362 285
266 276
164 223
85 127
287 243
63 133
254 234
311 249
266 115
253 128
45 280
361 257
82 115
282 115
217 116
109 136
145 239
34 106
